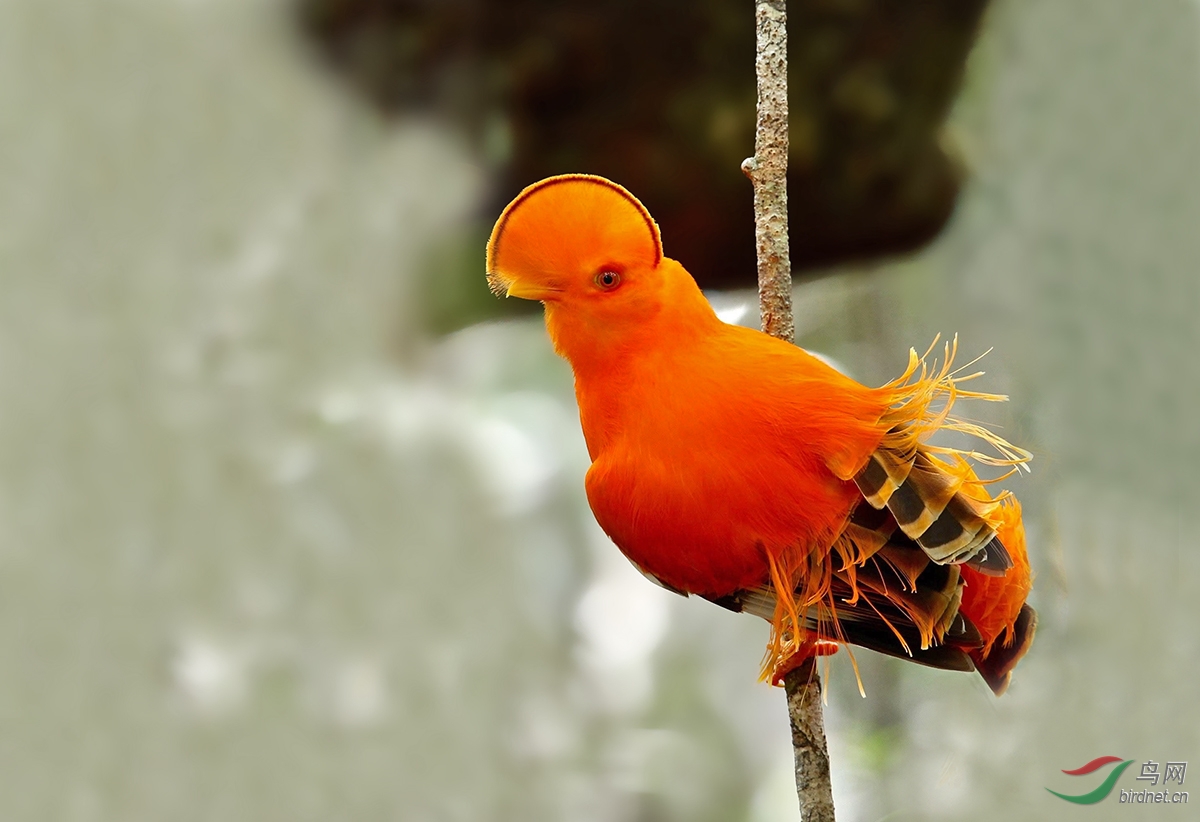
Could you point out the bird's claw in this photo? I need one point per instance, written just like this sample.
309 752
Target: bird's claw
808 649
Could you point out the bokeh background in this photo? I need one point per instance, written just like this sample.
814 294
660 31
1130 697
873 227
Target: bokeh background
292 522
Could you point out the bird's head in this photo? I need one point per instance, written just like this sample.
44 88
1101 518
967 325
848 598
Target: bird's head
591 253
577 239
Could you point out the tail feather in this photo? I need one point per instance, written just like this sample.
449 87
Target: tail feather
905 563
883 623
901 603
996 666
993 560
872 621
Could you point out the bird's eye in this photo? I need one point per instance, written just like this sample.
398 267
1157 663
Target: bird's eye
608 280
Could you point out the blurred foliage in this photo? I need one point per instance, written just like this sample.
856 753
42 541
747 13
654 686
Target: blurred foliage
660 96
451 289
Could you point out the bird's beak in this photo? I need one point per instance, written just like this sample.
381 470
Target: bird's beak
528 291
509 286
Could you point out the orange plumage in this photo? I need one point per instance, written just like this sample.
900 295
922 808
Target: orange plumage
732 465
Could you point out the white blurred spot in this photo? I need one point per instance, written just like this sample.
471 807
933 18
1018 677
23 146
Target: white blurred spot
210 676
515 469
622 618
516 441
732 314
733 306
360 693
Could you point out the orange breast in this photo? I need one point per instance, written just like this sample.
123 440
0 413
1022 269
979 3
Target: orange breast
710 460
704 527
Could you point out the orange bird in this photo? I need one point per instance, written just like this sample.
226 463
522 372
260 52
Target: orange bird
738 467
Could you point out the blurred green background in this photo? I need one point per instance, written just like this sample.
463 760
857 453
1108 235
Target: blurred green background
273 548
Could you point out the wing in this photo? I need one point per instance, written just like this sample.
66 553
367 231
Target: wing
929 500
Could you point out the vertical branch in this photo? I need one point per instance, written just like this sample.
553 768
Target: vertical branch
803 687
767 170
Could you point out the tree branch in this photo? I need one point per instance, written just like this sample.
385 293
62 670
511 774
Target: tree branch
803 687
767 170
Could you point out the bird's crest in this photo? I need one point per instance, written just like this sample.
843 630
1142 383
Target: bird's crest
570 223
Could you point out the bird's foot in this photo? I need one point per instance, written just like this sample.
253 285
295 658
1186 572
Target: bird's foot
808 649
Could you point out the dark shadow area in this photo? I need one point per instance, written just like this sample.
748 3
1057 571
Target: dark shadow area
660 96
